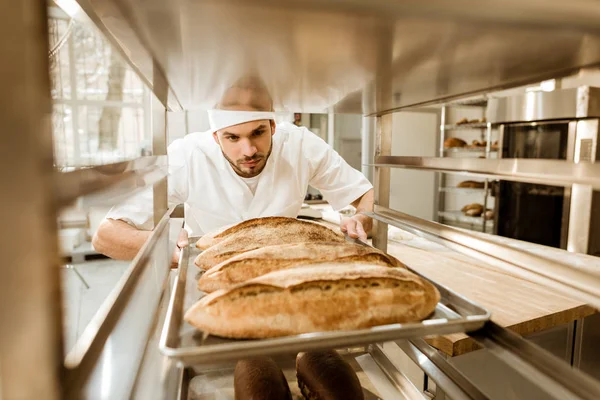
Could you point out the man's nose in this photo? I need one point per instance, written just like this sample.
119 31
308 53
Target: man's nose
248 148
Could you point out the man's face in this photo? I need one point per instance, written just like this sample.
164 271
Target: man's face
247 146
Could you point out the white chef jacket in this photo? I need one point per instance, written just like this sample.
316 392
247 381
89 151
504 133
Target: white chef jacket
215 196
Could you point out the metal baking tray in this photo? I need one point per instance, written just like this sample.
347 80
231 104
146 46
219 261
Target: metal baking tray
187 345
379 378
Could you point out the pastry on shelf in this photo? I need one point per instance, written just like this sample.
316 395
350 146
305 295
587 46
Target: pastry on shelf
471 185
473 121
489 214
494 145
454 142
463 121
473 210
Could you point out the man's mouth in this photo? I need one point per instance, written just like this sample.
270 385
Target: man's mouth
251 163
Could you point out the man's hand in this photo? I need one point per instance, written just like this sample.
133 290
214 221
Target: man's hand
356 226
182 241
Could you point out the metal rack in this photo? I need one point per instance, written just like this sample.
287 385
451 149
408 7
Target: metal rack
454 217
33 192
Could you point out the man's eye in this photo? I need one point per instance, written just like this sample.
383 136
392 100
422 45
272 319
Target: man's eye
232 138
259 133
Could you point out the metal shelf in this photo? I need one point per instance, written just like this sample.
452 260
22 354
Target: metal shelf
467 150
464 191
577 283
109 181
457 127
459 216
545 172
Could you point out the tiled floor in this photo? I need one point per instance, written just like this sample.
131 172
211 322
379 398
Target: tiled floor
81 303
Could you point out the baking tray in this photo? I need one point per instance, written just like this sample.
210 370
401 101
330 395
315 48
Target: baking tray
379 379
187 345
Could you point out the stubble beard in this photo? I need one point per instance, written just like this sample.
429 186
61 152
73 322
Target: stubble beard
254 171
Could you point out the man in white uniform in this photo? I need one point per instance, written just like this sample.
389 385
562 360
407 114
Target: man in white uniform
244 167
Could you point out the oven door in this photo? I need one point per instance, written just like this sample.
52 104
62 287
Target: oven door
531 212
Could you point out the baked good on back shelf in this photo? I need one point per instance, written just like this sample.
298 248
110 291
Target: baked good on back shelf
471 185
319 298
454 142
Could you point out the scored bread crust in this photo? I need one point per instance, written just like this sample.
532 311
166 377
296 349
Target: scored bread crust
319 298
252 264
267 232
211 238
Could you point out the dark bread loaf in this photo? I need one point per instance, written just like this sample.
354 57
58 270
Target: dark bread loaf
324 375
260 379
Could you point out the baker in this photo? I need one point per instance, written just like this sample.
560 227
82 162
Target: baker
244 167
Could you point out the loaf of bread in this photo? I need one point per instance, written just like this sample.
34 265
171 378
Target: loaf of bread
454 142
324 375
473 206
318 298
260 379
214 237
252 264
474 212
471 185
265 232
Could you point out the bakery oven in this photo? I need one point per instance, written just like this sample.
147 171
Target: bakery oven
560 125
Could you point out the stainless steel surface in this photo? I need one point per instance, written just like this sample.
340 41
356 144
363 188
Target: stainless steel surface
109 332
580 283
315 54
30 293
159 148
379 380
586 345
549 172
436 367
406 388
579 218
158 377
381 183
184 343
571 139
109 183
368 134
541 368
582 102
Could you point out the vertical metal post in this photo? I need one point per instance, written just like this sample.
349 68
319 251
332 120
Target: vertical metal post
441 177
580 212
486 186
368 146
159 147
383 147
30 305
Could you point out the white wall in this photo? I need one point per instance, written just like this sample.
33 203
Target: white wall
348 138
413 192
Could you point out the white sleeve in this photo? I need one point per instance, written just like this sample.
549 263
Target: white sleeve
339 183
138 209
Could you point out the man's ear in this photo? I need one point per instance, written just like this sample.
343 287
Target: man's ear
273 126
216 138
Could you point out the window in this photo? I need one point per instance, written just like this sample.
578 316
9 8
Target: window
101 108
